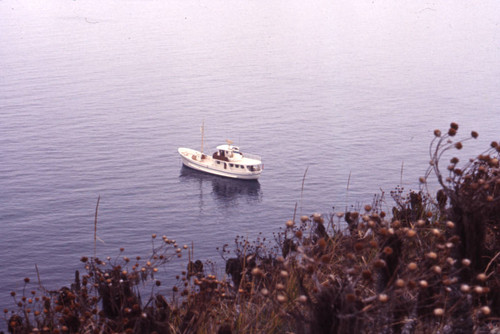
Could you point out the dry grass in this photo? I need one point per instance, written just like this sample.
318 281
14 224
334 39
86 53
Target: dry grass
430 266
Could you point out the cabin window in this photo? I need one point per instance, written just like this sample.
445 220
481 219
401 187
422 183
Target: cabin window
218 162
231 165
242 167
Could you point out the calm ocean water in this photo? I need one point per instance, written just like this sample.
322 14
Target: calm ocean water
96 97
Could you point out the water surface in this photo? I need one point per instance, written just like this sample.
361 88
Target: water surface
96 97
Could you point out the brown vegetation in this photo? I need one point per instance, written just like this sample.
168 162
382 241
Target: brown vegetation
432 267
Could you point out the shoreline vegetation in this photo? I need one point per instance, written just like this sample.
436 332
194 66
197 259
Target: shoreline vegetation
431 265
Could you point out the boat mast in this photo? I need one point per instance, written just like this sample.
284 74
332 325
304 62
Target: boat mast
202 134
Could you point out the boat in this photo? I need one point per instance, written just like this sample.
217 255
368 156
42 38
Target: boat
227 161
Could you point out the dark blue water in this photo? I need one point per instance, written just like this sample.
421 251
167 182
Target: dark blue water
96 97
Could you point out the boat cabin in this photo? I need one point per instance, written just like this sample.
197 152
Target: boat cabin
229 153
226 152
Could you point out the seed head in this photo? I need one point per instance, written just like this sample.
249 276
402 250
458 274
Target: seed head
289 223
466 262
423 283
380 263
437 269
464 288
281 298
317 218
412 266
474 134
302 299
388 251
400 283
485 310
304 219
438 312
280 286
432 255
482 277
358 246
367 274
437 133
257 272
478 289
264 292
452 132
411 233
459 146
450 224
383 298
284 273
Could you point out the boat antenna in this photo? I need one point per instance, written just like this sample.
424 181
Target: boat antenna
202 129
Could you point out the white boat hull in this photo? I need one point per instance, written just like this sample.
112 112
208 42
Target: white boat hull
193 159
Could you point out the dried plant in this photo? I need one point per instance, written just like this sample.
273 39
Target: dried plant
430 266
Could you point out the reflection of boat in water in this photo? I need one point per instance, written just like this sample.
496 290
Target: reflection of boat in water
224 189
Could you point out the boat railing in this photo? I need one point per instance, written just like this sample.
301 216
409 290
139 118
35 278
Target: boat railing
252 156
